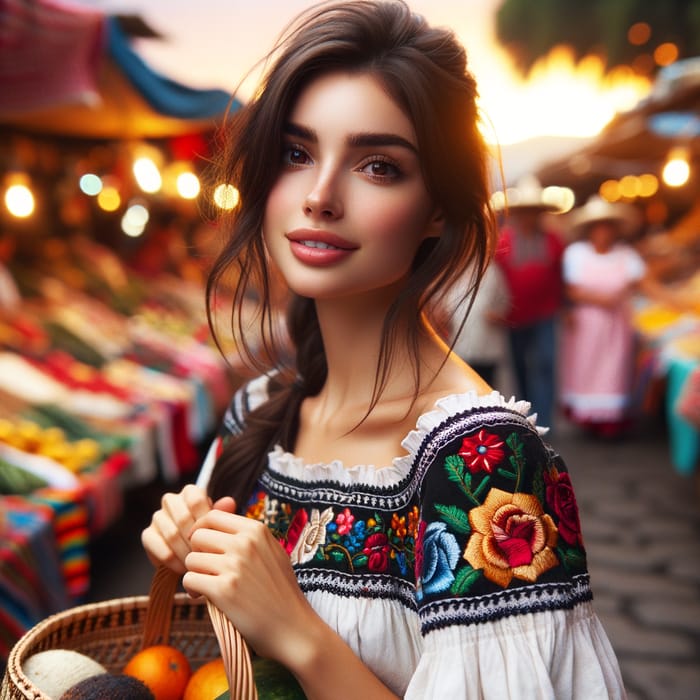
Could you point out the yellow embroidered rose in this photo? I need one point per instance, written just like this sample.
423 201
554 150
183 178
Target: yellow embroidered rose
511 536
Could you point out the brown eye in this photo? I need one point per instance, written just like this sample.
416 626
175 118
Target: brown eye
381 169
293 155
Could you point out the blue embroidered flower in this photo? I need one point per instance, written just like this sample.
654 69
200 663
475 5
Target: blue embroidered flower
440 557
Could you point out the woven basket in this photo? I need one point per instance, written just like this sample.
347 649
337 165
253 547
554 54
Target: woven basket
111 632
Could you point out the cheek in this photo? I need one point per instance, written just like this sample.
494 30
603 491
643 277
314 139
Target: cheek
404 218
279 200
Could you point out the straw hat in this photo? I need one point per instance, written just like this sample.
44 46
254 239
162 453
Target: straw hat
596 209
528 193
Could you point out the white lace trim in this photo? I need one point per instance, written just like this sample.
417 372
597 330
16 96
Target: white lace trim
289 465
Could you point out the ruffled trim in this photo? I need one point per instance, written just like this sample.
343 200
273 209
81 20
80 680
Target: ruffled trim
289 465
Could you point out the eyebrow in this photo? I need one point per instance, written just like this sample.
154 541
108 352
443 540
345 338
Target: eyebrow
359 140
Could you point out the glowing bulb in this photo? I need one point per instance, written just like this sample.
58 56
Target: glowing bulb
19 201
90 184
187 185
137 215
676 171
109 199
226 196
147 175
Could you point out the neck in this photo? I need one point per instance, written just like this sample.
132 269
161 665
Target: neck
352 337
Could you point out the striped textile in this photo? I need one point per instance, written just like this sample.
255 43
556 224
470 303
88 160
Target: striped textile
50 55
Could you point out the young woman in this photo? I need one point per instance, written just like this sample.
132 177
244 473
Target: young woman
375 517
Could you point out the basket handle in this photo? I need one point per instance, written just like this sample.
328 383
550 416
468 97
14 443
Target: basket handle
233 647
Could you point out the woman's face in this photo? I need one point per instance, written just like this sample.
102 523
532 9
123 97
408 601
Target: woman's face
349 208
603 235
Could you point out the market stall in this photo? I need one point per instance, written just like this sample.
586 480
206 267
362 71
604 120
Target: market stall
108 379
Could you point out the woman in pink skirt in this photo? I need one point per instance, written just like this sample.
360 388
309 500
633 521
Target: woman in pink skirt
601 273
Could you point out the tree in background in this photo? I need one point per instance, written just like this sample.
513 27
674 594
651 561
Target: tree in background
529 30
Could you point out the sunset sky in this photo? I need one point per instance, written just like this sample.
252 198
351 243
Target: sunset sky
215 43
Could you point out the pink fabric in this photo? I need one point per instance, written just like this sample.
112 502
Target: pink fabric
597 358
50 55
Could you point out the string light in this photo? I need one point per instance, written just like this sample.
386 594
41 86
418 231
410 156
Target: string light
19 201
676 171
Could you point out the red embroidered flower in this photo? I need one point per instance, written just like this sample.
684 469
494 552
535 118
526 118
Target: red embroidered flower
481 452
344 521
560 496
296 527
377 551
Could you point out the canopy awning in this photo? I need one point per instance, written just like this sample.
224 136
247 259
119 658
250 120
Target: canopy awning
73 72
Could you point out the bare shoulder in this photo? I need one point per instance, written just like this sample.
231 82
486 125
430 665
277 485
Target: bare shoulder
454 377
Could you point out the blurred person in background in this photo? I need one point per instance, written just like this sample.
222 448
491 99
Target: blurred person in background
481 340
602 273
529 255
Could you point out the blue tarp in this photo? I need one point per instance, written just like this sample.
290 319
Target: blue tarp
164 95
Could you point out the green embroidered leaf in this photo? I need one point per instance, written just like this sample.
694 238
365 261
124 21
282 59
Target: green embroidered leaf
506 474
360 560
517 460
464 580
484 483
455 467
455 517
335 537
571 558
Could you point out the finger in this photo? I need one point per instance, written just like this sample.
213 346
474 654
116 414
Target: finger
205 539
226 503
228 522
159 551
201 584
171 534
196 500
205 563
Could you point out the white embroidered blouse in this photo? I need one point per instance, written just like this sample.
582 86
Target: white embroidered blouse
456 572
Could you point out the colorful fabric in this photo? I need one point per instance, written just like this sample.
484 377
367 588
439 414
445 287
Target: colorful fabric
598 342
70 522
532 269
51 55
32 583
462 556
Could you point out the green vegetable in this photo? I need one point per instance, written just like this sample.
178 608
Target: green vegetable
17 481
273 681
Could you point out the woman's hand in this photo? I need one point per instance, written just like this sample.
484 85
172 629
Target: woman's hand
166 539
239 566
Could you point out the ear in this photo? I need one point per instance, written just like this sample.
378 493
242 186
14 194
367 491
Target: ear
436 225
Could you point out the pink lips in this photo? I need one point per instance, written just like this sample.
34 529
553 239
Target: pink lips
317 247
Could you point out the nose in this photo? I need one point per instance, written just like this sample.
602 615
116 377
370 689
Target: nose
324 200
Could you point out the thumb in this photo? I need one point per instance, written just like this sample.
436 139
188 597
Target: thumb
226 503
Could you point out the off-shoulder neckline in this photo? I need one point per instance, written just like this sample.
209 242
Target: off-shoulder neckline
288 464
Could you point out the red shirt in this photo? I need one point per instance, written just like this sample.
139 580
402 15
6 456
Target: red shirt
532 268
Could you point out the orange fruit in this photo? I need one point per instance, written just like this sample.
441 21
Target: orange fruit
208 682
164 669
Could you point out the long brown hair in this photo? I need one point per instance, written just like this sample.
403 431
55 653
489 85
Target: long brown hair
424 69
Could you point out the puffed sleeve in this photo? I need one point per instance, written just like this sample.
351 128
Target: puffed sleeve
245 399
502 587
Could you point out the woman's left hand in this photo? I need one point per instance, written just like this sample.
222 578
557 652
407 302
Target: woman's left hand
239 566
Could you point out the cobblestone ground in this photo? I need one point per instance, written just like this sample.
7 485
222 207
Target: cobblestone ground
641 524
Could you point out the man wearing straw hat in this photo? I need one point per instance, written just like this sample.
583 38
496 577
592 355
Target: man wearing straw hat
529 254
